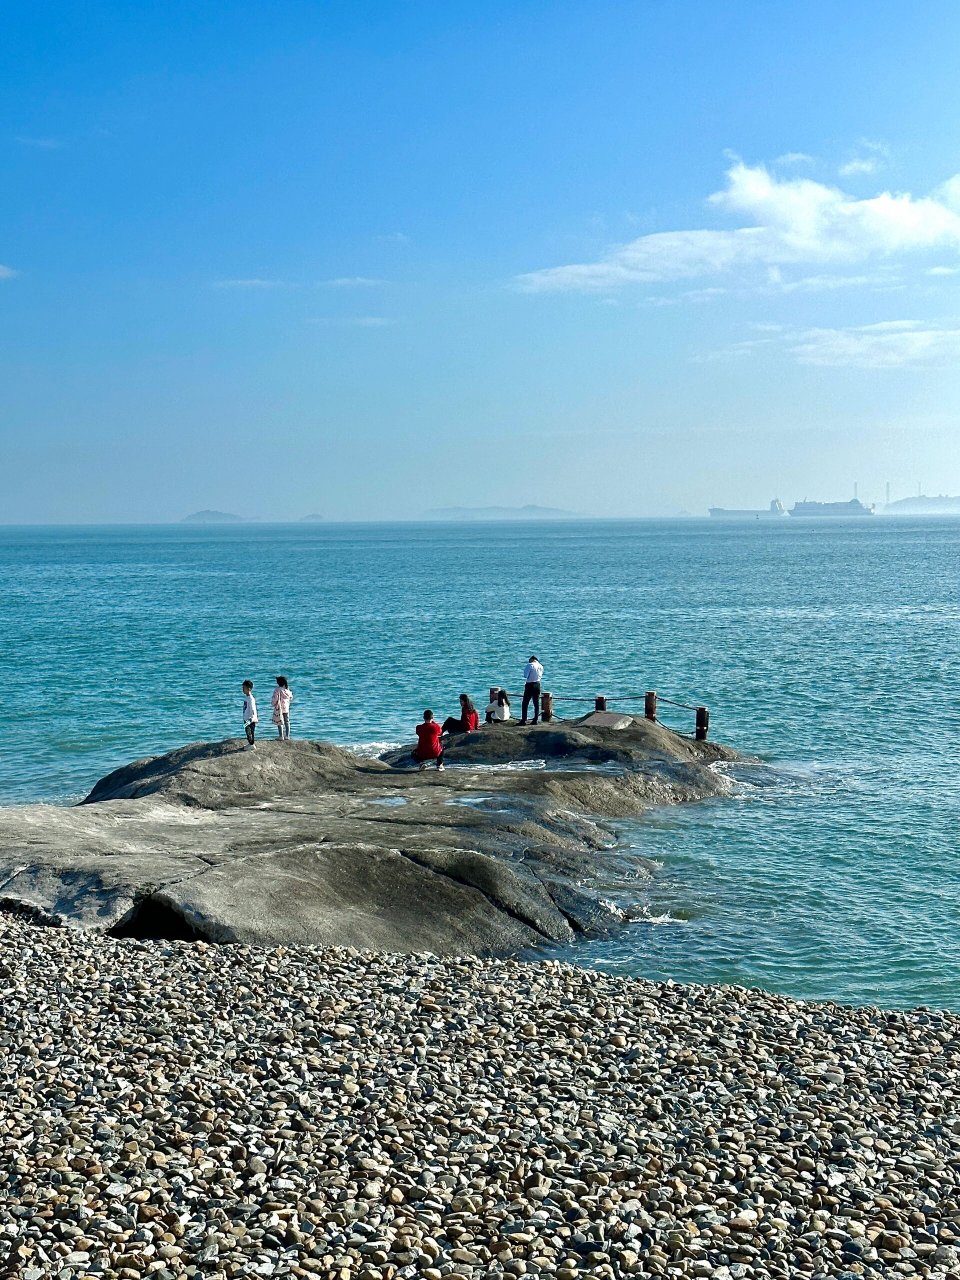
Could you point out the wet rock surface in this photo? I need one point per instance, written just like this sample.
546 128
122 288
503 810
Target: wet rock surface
302 842
175 1109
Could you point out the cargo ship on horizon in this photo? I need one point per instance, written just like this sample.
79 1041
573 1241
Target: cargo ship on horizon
831 510
773 512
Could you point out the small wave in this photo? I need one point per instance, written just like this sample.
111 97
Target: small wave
614 908
371 750
663 917
748 779
640 913
511 766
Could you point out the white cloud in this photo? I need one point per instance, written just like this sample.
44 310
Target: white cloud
353 282
394 237
890 344
254 282
688 295
6 273
865 164
949 192
871 157
893 344
812 284
794 157
788 224
942 271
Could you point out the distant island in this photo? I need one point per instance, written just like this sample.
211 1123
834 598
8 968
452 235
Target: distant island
213 517
922 505
529 512
311 519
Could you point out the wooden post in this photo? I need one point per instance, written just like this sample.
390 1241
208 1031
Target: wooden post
650 704
703 724
546 707
494 690
599 703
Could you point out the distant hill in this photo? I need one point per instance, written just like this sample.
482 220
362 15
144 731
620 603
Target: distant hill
311 519
529 512
213 517
923 506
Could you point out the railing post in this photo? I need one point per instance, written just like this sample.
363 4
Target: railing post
703 724
546 707
650 704
599 703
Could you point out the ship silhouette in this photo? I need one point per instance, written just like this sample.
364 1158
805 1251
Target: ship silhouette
831 510
773 512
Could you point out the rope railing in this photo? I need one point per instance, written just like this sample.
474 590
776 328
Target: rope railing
670 702
650 699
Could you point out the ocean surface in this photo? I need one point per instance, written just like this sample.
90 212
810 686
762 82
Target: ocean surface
829 651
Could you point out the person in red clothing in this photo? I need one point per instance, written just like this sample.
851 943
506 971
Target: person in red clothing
428 742
468 719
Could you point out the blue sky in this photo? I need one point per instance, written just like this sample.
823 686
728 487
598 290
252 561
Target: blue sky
369 259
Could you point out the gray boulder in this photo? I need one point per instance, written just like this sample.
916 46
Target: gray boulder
302 842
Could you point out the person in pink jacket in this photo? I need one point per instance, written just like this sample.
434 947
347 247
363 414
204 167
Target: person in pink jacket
282 697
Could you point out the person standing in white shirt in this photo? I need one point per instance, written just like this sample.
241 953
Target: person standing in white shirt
532 675
250 714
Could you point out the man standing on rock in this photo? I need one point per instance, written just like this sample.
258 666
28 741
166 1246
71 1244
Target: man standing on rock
532 675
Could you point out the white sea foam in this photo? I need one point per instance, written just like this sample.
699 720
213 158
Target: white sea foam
372 750
510 766
664 917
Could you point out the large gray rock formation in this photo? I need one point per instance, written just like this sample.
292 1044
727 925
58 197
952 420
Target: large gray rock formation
302 842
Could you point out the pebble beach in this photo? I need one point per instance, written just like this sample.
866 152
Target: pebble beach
182 1109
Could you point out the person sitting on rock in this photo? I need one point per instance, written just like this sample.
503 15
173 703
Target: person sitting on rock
468 719
499 708
428 745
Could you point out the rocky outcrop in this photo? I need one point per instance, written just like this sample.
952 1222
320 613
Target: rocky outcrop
303 842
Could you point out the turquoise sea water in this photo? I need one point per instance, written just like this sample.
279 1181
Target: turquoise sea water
830 650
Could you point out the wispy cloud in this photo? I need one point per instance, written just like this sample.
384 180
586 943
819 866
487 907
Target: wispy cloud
864 164
794 157
7 273
869 158
353 282
789 224
891 344
252 282
688 295
355 322
41 144
394 237
774 282
814 284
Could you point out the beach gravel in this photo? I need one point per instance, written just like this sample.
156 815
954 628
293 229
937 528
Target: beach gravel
184 1109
